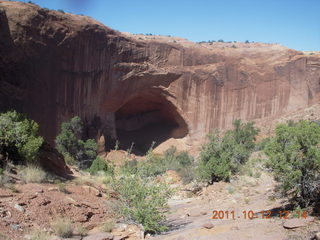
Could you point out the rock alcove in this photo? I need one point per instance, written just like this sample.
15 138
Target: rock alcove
145 119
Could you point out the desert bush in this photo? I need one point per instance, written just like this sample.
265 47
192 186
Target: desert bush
142 201
70 143
184 159
39 235
155 165
260 146
19 138
108 226
33 174
62 227
294 157
181 162
152 166
82 231
101 165
130 167
223 156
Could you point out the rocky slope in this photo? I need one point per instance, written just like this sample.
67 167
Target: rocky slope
55 65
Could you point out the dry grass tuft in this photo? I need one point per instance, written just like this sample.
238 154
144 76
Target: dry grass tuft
33 174
62 227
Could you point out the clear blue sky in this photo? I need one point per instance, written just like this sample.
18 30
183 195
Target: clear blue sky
293 23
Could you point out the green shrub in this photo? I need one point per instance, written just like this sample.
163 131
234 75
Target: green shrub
184 159
33 174
67 140
294 157
1 171
262 144
130 167
70 143
62 227
100 165
142 201
19 138
223 156
69 159
155 165
180 162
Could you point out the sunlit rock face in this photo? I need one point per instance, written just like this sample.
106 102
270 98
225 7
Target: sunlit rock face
54 66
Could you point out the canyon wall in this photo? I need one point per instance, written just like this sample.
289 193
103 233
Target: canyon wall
55 65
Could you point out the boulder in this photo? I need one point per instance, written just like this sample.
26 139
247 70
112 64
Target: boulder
52 161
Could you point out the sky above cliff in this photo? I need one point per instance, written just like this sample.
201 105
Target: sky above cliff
292 23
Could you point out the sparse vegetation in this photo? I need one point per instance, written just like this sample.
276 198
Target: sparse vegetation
3 236
62 227
295 160
62 187
70 143
142 201
13 188
155 165
39 235
108 226
82 231
223 156
19 139
60 10
33 174
100 165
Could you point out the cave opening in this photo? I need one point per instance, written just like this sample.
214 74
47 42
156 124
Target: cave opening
148 120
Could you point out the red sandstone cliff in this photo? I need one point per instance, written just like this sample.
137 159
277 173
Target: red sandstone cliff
54 66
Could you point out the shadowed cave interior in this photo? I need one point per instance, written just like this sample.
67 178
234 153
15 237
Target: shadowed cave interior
147 119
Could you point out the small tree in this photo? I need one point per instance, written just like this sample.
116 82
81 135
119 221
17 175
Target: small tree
67 140
294 157
70 143
223 156
19 138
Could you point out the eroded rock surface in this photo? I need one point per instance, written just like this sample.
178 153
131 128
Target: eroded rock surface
54 66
